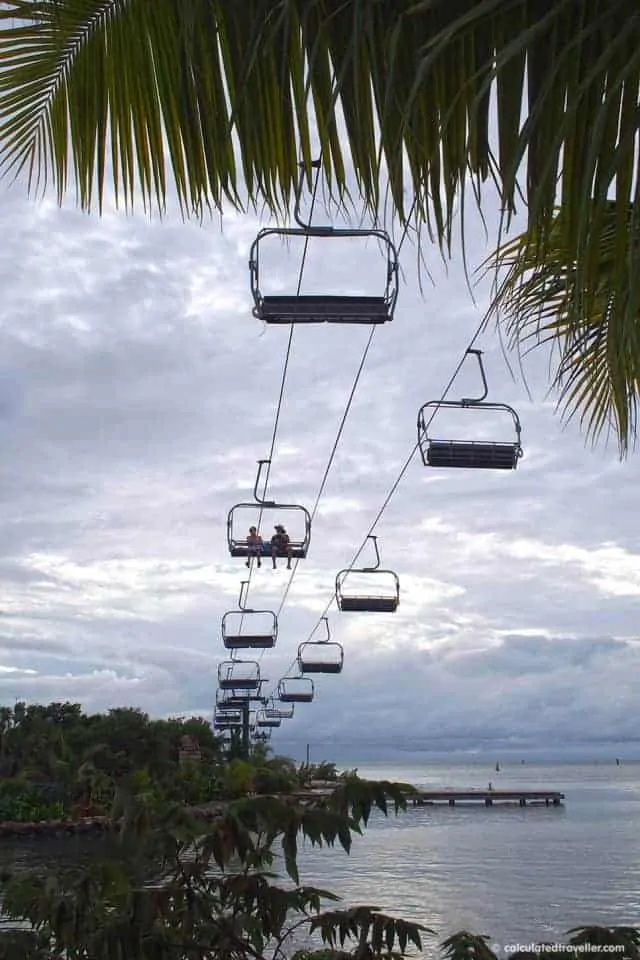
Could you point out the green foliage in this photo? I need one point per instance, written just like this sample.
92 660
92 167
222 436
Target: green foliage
213 891
57 755
238 778
23 802
317 771
581 305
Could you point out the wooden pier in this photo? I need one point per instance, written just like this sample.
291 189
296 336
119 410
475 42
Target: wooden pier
550 798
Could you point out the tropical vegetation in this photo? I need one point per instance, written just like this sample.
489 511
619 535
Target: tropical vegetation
425 100
58 762
164 883
174 888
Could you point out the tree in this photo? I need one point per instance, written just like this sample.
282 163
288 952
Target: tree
161 88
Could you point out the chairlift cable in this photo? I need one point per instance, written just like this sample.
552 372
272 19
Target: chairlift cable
283 380
396 483
405 467
339 433
345 414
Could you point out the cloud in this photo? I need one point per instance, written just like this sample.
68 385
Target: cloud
137 393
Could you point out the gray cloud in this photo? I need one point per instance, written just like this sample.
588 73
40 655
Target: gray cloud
137 393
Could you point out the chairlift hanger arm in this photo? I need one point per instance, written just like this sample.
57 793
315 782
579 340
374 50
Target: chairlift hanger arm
244 589
376 565
470 401
256 497
326 639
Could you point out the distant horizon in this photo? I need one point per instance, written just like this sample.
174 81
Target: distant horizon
347 757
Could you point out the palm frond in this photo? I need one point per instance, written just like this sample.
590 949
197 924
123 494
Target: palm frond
594 327
220 97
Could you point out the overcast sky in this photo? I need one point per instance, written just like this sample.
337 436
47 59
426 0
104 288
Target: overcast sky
137 393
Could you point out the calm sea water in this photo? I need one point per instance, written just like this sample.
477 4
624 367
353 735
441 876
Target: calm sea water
517 875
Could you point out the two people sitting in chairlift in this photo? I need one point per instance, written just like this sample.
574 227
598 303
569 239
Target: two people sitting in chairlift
280 545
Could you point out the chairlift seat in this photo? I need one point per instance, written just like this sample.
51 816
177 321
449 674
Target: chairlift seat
324 309
239 548
368 604
319 666
478 454
239 683
269 722
250 642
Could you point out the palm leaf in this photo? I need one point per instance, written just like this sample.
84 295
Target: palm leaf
219 98
595 328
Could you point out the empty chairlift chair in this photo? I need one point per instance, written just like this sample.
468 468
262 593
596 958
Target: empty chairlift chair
296 690
226 720
239 675
244 515
480 454
264 721
277 709
323 308
380 593
246 629
321 656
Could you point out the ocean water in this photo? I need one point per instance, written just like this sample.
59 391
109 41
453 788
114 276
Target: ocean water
518 875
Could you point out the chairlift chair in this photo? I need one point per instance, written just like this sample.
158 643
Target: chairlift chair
275 708
478 454
262 736
239 675
265 721
316 308
260 632
296 690
237 543
384 602
321 656
227 720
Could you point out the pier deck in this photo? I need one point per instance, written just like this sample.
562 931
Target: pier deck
550 798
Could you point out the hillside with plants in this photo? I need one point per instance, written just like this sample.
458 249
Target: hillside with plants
57 762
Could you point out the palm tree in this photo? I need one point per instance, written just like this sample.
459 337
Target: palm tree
220 97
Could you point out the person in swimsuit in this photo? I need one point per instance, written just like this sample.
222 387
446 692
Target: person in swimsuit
280 545
254 546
